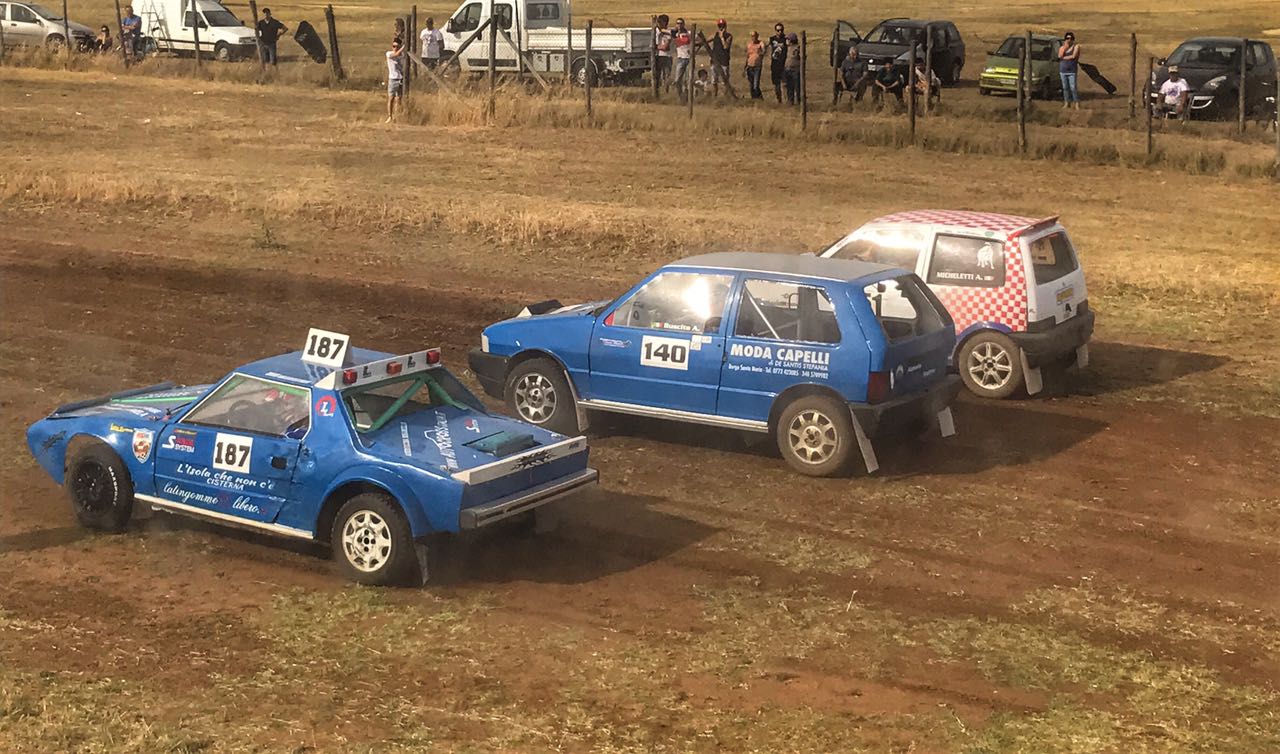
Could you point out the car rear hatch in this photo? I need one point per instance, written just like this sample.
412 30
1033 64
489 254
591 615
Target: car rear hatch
1056 287
919 336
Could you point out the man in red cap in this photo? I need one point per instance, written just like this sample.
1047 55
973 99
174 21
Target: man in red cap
721 45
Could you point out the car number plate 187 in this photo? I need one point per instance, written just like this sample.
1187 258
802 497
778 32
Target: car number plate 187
1066 293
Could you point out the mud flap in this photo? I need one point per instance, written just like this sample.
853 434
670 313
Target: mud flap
864 444
1030 374
420 549
946 422
1082 356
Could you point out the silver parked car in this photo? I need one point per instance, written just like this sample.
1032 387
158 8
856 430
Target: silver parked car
33 25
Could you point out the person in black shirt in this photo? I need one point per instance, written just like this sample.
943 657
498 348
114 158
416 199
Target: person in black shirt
889 80
777 59
269 31
721 45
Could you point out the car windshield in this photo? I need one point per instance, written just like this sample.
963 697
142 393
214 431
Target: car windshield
221 18
372 406
892 34
45 13
1012 48
1206 55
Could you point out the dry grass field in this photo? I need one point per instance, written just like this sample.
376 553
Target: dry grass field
1093 571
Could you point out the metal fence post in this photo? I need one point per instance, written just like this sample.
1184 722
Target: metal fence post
693 67
334 56
1022 100
588 72
257 35
928 68
1146 96
1133 75
66 30
195 30
1244 79
804 80
911 93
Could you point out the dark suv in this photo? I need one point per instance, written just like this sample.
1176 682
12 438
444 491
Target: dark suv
890 41
1211 66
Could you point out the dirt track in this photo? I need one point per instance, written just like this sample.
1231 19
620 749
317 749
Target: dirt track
1031 495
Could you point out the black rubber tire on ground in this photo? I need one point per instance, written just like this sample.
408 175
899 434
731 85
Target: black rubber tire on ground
983 91
99 488
815 435
538 392
372 542
990 365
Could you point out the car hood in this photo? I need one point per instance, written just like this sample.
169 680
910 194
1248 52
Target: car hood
148 404
1007 64
450 439
76 28
880 50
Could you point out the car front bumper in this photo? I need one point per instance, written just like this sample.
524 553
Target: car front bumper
478 516
879 418
1055 343
490 369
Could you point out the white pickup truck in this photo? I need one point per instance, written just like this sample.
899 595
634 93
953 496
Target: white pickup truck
540 29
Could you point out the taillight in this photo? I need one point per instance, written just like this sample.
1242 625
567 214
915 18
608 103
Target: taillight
394 367
433 356
349 376
877 386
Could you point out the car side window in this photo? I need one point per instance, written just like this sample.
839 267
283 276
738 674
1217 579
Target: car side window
681 301
190 19
899 247
504 14
904 311
777 310
543 11
967 261
21 14
254 405
468 19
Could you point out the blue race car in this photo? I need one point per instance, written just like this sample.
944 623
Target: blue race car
821 353
365 450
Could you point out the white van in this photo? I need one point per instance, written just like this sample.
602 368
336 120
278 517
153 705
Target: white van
171 25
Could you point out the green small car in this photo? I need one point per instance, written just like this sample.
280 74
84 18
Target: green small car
1001 71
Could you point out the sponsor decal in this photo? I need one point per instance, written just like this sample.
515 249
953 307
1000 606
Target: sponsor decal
326 406
241 503
533 459
472 425
121 428
287 378
404 438
443 441
786 361
615 343
187 432
142 439
225 480
182 443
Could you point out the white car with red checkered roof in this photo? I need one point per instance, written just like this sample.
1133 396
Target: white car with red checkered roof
1013 285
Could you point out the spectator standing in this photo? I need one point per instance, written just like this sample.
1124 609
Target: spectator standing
683 41
131 31
103 43
792 69
889 80
269 31
662 41
395 76
1068 70
721 48
755 64
432 44
854 75
1174 94
778 59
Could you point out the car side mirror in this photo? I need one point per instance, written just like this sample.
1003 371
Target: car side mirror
451 26
1161 61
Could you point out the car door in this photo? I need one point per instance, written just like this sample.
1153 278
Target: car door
23 27
661 345
942 54
188 32
234 454
1261 76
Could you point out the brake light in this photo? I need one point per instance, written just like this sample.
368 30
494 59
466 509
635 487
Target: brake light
394 367
877 386
349 376
433 356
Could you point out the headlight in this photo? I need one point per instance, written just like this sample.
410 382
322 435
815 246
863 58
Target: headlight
484 342
1214 83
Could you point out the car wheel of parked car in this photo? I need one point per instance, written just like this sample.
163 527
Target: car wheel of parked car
372 542
538 392
54 42
815 435
990 365
221 52
100 488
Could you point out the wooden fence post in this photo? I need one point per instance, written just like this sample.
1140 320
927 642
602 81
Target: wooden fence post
653 54
2 41
911 93
493 64
125 54
928 68
1276 124
66 30
836 62
568 61
588 72
195 31
334 56
1133 75
1022 99
693 67
257 36
1147 90
1244 78
804 80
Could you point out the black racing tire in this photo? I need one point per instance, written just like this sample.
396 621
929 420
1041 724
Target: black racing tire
99 488
372 542
815 435
990 364
537 392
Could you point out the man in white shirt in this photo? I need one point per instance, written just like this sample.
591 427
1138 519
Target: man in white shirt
432 44
683 42
395 76
1174 94
662 38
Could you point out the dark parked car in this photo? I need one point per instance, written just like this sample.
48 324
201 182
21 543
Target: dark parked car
1211 66
890 41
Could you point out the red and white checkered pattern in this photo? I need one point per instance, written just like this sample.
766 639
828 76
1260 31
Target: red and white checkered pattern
1007 304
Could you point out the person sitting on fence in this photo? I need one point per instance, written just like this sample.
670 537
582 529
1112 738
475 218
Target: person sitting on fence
131 32
1174 95
792 70
931 89
103 43
721 47
683 41
432 44
395 76
854 75
889 80
269 31
662 47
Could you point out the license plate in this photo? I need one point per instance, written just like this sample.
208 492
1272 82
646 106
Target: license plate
1066 293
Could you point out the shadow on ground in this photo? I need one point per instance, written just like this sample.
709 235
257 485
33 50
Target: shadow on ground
1115 367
